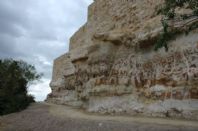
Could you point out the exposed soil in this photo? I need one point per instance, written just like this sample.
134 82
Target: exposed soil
49 117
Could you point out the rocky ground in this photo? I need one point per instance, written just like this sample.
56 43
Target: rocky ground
47 117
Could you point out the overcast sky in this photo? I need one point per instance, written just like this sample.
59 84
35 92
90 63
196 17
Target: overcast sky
38 31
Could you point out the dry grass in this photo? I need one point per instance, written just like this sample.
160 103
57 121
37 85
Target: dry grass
38 118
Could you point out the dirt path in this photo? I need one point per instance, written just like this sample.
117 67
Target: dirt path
64 111
49 117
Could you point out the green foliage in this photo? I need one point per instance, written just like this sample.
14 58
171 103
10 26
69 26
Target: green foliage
168 10
14 78
164 38
192 27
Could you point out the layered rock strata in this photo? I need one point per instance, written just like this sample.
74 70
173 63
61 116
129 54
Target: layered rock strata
111 66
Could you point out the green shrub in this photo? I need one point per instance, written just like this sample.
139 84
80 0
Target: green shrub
168 10
14 79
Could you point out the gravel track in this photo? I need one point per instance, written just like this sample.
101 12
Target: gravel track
49 117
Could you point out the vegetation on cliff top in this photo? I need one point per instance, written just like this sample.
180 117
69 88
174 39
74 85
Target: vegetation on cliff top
168 10
14 79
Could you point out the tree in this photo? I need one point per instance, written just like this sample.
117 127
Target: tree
15 76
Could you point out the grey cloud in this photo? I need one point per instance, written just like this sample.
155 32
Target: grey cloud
38 31
12 18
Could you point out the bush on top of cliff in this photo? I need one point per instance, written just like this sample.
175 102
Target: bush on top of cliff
15 76
168 10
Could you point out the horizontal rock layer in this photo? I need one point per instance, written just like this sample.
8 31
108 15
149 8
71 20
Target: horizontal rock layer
112 66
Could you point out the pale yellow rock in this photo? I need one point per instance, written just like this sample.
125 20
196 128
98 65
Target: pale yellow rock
111 66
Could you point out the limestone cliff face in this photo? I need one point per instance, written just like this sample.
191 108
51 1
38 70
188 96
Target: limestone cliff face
111 66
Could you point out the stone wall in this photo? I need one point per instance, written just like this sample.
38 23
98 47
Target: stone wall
112 66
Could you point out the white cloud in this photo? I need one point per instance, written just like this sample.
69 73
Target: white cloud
88 1
40 90
38 31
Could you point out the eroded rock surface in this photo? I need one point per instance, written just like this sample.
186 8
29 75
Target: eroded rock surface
112 67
